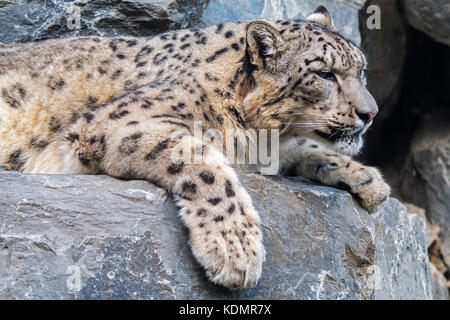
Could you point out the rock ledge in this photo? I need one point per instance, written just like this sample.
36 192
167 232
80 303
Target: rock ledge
95 237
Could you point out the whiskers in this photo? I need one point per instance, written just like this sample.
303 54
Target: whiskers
306 126
311 124
333 134
303 113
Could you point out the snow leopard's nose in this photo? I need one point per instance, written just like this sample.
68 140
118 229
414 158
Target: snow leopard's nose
371 116
366 117
359 98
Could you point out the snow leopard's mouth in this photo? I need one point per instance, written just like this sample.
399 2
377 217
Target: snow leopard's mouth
336 135
345 142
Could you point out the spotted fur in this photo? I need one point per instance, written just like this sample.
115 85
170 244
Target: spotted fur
122 106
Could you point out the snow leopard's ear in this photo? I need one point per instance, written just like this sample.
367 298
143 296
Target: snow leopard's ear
264 43
322 16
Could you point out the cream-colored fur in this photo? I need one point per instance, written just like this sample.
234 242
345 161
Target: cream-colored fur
124 106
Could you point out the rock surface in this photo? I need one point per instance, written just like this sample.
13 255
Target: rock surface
29 20
427 178
438 284
344 12
95 237
431 17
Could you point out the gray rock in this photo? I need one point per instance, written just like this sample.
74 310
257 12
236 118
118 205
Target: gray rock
431 17
95 237
344 12
29 20
439 284
432 231
397 242
429 169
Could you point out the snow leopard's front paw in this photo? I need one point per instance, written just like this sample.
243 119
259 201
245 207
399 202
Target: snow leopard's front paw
365 183
228 241
370 188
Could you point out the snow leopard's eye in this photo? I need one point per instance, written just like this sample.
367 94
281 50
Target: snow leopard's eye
327 76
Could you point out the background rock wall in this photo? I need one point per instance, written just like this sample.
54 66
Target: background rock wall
28 20
409 75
